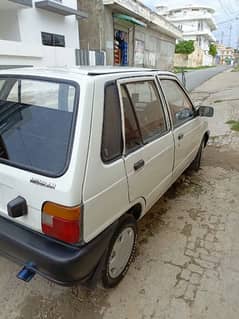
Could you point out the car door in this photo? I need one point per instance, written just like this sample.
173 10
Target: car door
148 140
187 128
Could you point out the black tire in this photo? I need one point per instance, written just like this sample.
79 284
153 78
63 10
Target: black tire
196 164
128 222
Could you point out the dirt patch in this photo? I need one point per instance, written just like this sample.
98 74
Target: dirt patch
221 157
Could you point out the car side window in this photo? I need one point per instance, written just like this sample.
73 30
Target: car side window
180 106
112 144
148 108
133 138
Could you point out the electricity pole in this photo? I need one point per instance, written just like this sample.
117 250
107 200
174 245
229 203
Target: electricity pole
222 37
230 35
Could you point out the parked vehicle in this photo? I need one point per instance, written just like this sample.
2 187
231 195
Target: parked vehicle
84 154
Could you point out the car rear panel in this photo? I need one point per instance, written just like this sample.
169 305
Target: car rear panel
38 187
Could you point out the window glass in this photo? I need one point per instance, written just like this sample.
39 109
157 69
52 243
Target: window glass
112 130
36 123
52 39
180 106
132 135
1 84
56 95
148 108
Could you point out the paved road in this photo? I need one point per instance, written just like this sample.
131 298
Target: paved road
196 78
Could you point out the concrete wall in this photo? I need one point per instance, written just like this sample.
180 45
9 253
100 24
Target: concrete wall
44 21
9 25
97 33
158 48
20 37
192 60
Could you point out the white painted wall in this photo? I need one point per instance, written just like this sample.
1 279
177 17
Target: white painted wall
9 25
44 21
21 44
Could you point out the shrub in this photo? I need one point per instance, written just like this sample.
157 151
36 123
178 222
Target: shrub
185 47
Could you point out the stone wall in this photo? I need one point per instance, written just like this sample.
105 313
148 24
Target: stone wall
191 61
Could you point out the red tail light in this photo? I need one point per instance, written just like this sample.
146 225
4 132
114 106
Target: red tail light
61 222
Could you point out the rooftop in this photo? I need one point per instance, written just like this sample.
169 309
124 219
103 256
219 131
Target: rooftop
193 6
91 71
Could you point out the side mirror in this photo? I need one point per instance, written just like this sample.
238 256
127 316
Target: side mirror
207 111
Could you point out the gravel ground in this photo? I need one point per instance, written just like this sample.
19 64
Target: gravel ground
187 263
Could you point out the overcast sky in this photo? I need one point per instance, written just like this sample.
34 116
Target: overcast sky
226 10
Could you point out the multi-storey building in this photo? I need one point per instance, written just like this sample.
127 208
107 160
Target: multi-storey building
225 55
196 22
37 32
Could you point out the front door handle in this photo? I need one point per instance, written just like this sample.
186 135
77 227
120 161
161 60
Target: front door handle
139 164
180 136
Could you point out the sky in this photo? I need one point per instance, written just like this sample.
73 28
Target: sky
226 10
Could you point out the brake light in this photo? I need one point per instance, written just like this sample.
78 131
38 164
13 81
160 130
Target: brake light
61 222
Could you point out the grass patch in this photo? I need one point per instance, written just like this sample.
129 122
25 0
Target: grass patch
218 101
231 122
236 69
234 125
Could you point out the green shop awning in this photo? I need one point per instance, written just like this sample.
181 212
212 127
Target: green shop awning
129 19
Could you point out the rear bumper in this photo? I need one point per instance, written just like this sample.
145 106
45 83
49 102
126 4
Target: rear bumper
56 261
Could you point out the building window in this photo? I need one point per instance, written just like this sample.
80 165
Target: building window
54 40
200 25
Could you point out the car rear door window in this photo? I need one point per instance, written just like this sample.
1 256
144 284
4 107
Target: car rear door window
133 139
180 106
149 109
112 144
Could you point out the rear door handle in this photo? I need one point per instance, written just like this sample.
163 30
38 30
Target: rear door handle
139 164
180 136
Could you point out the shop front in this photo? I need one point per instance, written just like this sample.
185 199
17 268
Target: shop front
124 43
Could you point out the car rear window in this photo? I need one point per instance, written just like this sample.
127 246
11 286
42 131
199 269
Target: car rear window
36 123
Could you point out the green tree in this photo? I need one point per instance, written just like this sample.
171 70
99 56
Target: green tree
213 50
185 47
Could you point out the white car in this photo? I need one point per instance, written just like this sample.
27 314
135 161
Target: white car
84 154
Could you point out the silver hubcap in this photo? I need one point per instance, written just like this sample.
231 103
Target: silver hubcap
121 252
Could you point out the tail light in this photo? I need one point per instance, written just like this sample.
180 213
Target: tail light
61 222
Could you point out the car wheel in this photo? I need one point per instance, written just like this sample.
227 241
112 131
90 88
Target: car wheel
196 164
121 252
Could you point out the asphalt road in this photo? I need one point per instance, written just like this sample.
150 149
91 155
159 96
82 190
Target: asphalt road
197 77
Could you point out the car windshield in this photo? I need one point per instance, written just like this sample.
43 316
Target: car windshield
36 123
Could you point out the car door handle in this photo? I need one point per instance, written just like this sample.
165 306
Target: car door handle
138 164
180 136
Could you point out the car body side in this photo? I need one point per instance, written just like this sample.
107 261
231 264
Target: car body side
107 187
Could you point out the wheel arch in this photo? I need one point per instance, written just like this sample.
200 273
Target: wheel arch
206 138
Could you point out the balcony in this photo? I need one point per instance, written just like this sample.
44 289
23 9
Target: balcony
207 34
59 9
208 17
15 4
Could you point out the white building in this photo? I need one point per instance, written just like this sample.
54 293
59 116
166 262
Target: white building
195 21
36 32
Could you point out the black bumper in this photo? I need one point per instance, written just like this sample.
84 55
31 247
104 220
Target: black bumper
56 261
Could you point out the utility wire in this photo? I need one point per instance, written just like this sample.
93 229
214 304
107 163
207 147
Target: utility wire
224 8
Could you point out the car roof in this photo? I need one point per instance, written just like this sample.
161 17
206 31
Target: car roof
81 70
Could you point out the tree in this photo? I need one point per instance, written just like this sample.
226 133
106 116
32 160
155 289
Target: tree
185 47
213 50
